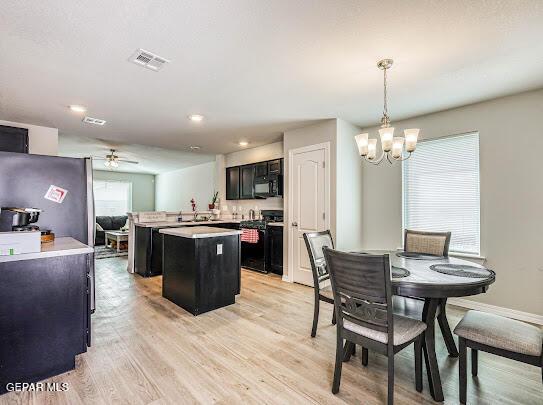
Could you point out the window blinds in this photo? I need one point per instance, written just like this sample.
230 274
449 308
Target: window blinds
112 197
441 190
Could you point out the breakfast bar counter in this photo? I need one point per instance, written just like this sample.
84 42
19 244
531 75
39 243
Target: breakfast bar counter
201 267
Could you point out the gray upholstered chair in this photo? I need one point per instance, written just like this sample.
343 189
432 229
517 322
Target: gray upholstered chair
436 244
314 242
497 335
363 304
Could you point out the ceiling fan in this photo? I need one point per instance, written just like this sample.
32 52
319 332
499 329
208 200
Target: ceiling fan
112 160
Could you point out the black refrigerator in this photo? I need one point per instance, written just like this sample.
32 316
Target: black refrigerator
25 180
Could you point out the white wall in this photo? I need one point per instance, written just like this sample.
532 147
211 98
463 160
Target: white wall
348 188
174 190
511 141
254 155
243 157
41 140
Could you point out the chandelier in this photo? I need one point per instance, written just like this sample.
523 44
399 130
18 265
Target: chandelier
392 146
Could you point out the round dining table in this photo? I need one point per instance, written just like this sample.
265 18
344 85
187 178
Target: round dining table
417 277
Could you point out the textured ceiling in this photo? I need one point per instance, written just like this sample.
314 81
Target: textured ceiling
256 68
151 159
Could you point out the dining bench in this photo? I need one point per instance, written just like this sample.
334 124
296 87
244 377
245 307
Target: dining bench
497 335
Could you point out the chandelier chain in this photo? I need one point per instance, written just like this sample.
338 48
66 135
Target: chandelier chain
385 105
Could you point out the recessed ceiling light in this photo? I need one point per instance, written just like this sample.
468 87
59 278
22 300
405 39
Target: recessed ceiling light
243 143
196 117
78 108
194 147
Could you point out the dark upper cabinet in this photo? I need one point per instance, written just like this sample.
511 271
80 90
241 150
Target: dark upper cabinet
13 139
275 166
241 180
232 183
261 169
247 182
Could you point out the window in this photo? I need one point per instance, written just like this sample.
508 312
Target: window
441 190
112 197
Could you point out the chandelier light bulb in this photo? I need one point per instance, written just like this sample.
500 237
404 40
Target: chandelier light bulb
387 134
411 136
372 148
397 147
362 143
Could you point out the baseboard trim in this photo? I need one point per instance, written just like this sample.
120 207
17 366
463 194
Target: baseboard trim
493 309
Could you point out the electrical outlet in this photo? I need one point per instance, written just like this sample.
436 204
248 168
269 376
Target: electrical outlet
219 249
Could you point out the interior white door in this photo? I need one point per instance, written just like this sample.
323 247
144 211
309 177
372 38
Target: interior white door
309 206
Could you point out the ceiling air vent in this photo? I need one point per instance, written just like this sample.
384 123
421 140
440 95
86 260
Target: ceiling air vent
94 121
148 59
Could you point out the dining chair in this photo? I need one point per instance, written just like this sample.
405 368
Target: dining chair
496 335
362 290
436 244
314 242
430 243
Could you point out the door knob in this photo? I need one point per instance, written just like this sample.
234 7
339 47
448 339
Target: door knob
295 224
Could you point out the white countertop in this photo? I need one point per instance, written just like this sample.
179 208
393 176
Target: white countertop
60 247
174 224
275 224
195 232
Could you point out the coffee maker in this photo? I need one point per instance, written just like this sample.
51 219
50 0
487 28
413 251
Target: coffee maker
19 219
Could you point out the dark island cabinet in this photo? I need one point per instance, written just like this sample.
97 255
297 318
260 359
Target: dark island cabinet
247 186
232 183
201 274
275 249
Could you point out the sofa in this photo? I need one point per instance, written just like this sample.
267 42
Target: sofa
107 223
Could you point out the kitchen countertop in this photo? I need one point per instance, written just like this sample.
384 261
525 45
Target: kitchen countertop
197 232
59 247
173 224
275 223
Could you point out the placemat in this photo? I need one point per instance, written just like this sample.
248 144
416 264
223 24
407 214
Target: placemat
419 256
399 272
461 270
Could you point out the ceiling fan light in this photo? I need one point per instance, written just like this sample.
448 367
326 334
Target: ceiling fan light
362 143
114 163
387 134
107 163
411 137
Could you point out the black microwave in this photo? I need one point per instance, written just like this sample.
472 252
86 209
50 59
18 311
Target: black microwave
269 186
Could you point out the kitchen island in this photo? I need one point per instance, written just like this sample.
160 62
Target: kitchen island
145 243
201 267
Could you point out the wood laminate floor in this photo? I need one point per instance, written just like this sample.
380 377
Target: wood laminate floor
146 350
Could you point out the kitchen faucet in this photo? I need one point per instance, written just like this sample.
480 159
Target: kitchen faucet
251 214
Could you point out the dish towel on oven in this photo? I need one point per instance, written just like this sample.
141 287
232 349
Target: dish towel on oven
249 235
